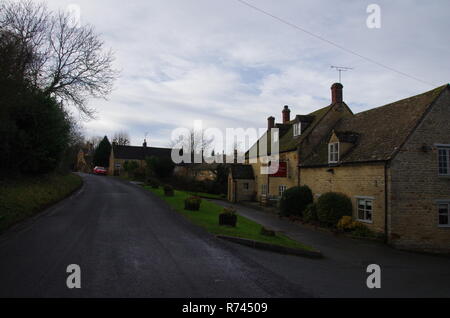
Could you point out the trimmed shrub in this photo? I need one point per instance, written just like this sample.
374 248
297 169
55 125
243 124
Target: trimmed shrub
295 200
168 191
192 203
332 206
228 217
310 213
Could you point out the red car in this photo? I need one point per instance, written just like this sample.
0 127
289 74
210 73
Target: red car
100 170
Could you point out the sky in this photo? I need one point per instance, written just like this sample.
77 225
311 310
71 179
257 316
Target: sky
232 66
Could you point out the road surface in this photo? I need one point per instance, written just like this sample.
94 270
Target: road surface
128 243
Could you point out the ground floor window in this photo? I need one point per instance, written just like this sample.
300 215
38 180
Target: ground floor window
264 189
444 214
281 190
365 209
246 186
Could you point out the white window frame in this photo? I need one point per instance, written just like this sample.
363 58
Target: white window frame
281 189
264 189
441 203
297 129
333 152
446 150
365 210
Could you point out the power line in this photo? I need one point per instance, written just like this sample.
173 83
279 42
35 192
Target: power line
368 59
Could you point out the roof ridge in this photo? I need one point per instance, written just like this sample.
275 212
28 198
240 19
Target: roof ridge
434 90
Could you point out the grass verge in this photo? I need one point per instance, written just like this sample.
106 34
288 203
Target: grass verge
207 195
23 198
208 218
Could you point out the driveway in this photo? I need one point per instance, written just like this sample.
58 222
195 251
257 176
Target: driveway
128 243
342 273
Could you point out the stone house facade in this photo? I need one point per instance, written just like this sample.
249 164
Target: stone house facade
392 161
241 186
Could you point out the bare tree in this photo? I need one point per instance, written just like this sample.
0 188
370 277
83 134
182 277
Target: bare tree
70 62
95 141
121 138
197 142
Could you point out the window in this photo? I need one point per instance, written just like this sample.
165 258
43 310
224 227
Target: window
444 214
333 152
281 190
297 129
444 161
245 185
264 189
365 209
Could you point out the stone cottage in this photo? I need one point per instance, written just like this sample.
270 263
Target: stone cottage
392 161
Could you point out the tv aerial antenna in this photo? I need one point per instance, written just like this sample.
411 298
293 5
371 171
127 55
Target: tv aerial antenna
341 69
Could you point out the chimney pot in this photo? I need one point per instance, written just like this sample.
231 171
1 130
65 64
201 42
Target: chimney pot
286 114
336 93
270 122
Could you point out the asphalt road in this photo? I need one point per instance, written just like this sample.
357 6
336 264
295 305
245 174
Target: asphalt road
128 243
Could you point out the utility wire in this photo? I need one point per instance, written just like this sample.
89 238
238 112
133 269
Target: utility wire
368 59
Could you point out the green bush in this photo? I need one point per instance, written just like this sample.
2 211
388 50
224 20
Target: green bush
192 203
310 213
139 174
295 200
332 206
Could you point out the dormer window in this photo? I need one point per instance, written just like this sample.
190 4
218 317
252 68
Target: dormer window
297 129
333 152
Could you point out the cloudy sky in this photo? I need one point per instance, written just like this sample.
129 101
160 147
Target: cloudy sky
232 66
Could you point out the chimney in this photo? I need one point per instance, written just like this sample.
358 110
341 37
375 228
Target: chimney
286 114
336 93
144 144
270 122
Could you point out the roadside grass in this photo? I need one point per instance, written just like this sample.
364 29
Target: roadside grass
23 198
208 218
206 195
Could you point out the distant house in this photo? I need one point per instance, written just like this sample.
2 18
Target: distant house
392 161
84 158
240 183
121 154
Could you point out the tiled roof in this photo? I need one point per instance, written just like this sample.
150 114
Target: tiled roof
241 171
377 133
139 153
286 131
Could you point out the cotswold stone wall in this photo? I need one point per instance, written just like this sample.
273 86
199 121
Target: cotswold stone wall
415 185
354 181
274 182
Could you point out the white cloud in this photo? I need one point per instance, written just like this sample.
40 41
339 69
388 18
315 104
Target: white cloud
231 66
